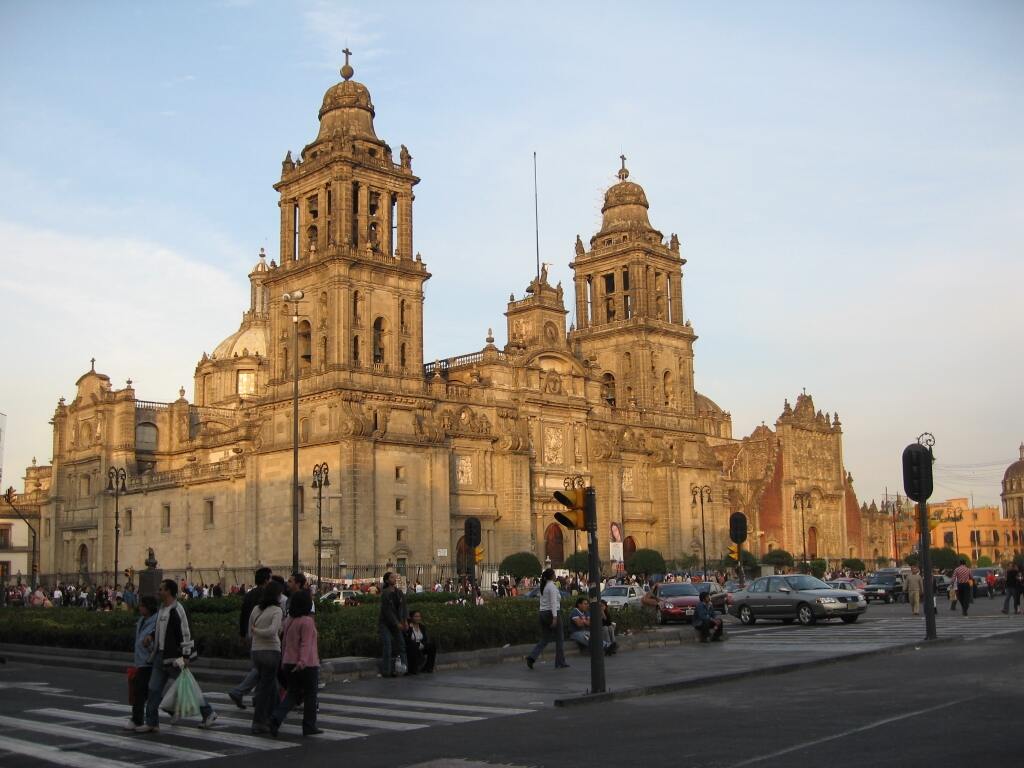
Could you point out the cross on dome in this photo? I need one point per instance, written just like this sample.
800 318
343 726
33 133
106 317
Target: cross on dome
346 70
623 171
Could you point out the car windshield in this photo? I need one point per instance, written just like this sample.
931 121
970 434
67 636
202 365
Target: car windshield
887 578
677 590
704 586
805 582
615 592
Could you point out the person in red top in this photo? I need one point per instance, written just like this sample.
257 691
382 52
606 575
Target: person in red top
962 578
300 657
990 580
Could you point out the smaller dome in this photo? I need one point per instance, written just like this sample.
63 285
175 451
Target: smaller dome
347 94
705 404
625 206
1016 470
261 265
251 340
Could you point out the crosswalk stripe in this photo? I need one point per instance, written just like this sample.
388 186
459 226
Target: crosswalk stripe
384 725
394 714
213 734
59 756
239 721
99 737
475 708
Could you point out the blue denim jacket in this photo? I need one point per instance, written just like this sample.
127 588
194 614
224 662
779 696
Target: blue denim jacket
144 655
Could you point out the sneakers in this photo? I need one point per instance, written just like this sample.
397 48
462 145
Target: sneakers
131 725
273 727
209 720
561 666
147 728
530 661
236 699
311 731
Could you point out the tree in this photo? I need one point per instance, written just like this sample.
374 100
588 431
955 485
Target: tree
520 564
577 562
749 561
818 567
912 559
881 561
984 561
946 559
854 564
779 558
646 561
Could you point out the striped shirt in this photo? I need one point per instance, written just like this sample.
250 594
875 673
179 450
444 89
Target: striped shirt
962 574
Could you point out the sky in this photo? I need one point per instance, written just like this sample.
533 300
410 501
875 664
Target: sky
846 179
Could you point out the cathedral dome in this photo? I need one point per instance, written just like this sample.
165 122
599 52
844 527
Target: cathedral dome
347 108
261 265
625 206
251 340
1016 470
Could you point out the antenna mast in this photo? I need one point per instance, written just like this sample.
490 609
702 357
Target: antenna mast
536 216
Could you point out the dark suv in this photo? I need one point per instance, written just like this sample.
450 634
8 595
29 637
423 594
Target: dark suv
887 587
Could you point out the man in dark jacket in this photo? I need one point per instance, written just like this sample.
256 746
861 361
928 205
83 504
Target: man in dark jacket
174 650
391 624
250 601
705 621
1012 588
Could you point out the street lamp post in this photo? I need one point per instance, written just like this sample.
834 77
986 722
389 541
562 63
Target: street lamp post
320 479
294 298
116 477
897 509
34 567
702 493
802 501
954 516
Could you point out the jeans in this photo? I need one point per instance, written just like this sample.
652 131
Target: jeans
1014 593
302 684
549 633
391 644
157 681
140 693
963 596
248 682
265 663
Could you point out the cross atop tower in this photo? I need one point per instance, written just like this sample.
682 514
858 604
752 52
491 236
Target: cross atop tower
346 70
92 364
623 171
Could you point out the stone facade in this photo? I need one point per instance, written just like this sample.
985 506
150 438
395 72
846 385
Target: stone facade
415 448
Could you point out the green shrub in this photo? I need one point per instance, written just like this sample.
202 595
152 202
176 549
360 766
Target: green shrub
946 558
818 567
520 564
578 562
984 561
779 558
854 564
646 561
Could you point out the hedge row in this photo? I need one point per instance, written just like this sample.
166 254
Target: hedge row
348 631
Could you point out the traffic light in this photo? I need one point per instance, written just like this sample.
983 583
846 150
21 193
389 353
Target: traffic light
574 517
478 555
737 528
472 532
734 552
917 472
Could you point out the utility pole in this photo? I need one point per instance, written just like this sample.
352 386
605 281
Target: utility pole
294 298
917 482
115 485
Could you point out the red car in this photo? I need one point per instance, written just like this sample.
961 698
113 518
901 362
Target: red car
677 601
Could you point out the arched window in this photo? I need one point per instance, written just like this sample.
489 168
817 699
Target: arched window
608 389
146 435
628 549
401 360
305 344
554 549
311 233
83 559
357 308
323 351
401 316
304 430
378 340
812 542
355 350
666 386
208 390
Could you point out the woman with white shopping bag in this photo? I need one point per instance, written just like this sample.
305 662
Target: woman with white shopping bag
301 659
174 650
265 631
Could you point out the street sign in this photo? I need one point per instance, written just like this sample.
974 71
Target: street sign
442 553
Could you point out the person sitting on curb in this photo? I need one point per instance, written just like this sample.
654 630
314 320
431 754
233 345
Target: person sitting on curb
419 646
579 621
705 621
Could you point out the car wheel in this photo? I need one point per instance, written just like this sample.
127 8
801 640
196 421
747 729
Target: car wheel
747 615
850 619
804 614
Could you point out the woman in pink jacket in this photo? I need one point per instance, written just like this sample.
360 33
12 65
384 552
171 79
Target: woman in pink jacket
299 656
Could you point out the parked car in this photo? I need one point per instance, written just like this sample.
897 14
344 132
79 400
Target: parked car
858 584
845 585
796 597
341 597
721 599
676 601
886 586
942 584
981 584
623 595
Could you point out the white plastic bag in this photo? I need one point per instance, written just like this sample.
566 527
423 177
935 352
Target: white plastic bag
170 699
190 697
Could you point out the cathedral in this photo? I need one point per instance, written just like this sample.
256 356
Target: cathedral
415 447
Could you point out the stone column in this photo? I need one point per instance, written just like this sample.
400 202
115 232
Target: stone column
405 225
363 217
385 221
581 301
676 283
343 213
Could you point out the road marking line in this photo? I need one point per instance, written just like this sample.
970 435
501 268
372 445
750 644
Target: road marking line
364 722
850 732
479 709
189 732
98 737
238 720
404 714
59 756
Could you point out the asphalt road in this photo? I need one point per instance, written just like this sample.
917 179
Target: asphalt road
907 709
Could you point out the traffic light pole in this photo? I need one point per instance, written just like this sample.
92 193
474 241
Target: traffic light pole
597 681
926 571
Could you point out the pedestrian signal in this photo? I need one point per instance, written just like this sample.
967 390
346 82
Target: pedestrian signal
734 552
574 516
478 555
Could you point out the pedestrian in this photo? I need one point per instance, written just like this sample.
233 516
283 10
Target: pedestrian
250 601
1012 588
990 583
296 583
579 627
145 637
915 586
301 659
550 621
265 623
390 624
962 580
174 651
419 646
705 620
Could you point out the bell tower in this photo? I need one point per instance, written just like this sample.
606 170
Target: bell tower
347 243
629 306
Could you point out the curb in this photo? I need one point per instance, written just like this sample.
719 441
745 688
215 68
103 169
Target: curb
780 669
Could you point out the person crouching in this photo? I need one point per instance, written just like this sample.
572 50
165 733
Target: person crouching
705 621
